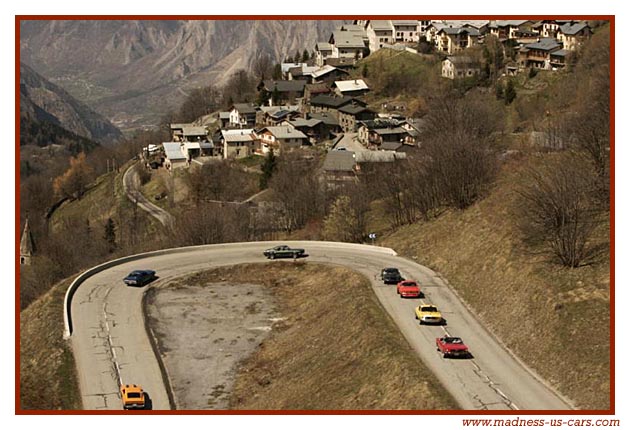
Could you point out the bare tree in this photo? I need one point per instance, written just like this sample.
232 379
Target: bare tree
209 223
557 208
262 66
460 154
296 190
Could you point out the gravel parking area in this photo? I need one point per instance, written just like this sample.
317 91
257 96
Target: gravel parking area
203 333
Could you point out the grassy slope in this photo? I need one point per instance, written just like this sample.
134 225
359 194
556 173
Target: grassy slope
337 349
555 319
47 371
106 199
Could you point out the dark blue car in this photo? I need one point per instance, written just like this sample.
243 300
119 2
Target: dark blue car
139 277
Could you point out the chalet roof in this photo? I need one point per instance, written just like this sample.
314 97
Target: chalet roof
326 118
272 110
459 30
324 70
404 22
285 67
283 86
318 88
340 62
245 108
224 115
462 60
353 109
173 151
381 25
416 123
389 130
391 146
191 145
330 101
323 46
544 44
284 132
308 123
476 23
243 135
379 123
351 85
561 53
508 23
195 131
573 29
180 125
352 27
347 39
339 161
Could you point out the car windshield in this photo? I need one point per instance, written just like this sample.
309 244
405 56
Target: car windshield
134 395
409 284
453 340
390 270
429 309
135 273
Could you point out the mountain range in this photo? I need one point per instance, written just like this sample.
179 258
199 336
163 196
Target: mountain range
44 104
135 71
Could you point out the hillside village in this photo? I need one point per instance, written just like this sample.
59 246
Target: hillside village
318 103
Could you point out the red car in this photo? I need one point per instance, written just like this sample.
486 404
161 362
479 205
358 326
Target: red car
408 288
450 346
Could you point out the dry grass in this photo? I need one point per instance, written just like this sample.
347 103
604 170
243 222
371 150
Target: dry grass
556 319
48 377
337 348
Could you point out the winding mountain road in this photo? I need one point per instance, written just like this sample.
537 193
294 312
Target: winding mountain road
131 185
111 345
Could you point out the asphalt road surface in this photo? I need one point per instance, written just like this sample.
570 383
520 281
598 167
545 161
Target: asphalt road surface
111 345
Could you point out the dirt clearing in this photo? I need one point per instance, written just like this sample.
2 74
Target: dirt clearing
203 332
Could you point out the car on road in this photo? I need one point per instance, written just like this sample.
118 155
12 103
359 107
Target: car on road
283 251
451 346
138 278
408 288
429 314
391 275
132 396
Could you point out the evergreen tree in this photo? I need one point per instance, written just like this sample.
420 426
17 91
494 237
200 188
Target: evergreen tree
364 72
498 90
263 96
305 56
277 72
275 96
297 57
510 92
268 167
110 234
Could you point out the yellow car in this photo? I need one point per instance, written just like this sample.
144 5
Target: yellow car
132 396
429 314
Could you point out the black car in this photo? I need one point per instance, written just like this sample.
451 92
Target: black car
139 277
283 251
391 275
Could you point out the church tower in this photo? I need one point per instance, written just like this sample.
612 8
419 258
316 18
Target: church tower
27 245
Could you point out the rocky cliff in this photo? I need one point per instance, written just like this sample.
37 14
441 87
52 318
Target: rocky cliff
134 71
